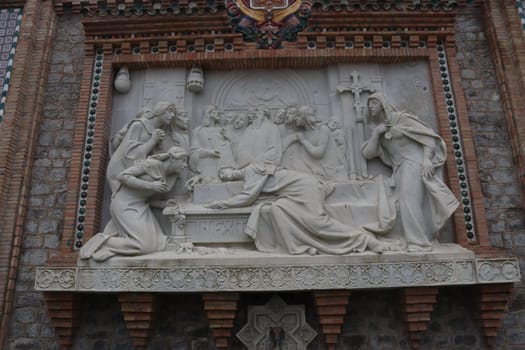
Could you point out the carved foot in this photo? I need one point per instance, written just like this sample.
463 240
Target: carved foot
221 310
331 307
412 248
417 305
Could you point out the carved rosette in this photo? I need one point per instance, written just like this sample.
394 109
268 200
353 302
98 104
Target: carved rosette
269 23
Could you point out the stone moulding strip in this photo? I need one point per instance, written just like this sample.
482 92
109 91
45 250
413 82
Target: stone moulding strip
278 278
11 58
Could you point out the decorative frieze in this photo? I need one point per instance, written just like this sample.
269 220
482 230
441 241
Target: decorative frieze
251 277
162 7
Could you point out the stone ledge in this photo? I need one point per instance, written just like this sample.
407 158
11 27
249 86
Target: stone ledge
190 273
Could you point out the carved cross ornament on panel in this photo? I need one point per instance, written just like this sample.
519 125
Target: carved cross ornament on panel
276 325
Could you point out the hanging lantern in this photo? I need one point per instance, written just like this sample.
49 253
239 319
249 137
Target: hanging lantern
196 80
122 82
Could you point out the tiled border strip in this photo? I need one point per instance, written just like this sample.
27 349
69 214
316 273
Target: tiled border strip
466 199
521 12
9 68
88 148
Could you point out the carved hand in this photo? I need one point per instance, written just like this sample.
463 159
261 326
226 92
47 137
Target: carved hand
158 135
428 169
171 202
216 205
159 186
190 184
205 153
380 129
289 140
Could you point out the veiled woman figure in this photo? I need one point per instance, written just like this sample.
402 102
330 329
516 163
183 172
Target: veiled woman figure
139 139
415 153
133 228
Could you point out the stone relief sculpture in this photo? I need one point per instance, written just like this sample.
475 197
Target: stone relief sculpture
178 132
415 153
295 222
210 149
138 139
311 148
133 229
263 139
275 176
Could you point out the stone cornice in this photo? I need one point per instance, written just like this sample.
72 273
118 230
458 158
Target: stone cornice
246 275
166 7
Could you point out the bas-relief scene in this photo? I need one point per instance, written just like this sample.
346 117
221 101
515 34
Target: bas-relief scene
332 161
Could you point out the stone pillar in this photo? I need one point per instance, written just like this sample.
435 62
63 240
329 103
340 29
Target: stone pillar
416 306
331 307
140 310
221 310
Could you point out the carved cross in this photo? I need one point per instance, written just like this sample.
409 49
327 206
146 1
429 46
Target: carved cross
356 87
353 123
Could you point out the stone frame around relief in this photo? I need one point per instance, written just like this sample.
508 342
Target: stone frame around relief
427 52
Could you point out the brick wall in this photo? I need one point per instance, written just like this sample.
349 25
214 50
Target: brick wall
497 170
30 328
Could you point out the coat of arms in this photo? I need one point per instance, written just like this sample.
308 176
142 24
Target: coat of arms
269 22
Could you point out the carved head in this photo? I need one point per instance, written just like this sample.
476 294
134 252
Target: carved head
228 118
145 112
291 114
279 116
212 114
305 118
163 111
257 113
230 174
379 109
240 121
178 159
181 120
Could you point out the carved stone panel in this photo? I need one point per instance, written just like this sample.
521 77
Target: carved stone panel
276 325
